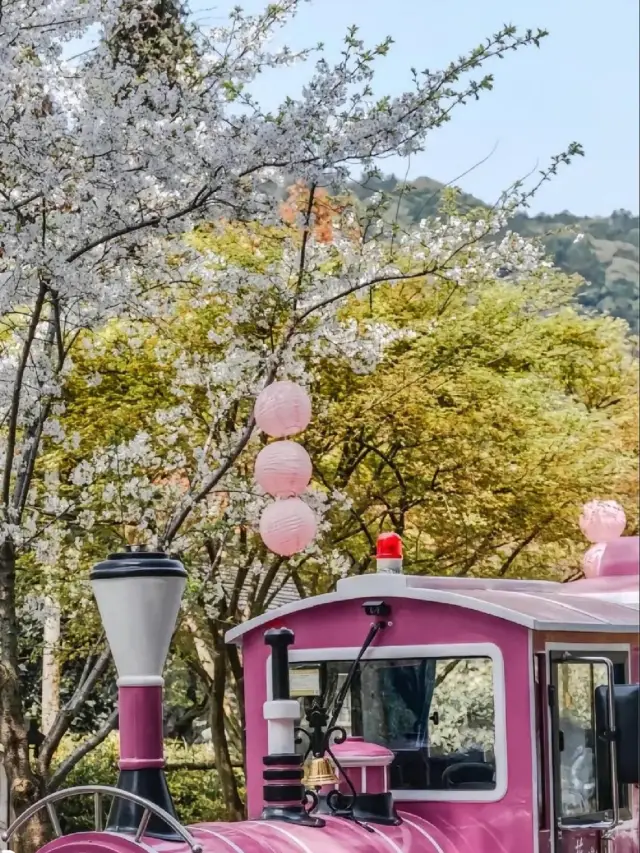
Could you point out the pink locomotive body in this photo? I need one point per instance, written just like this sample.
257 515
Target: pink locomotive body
469 716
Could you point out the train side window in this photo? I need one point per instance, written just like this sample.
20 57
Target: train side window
436 714
581 763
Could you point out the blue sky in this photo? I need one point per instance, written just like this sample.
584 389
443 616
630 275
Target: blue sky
581 85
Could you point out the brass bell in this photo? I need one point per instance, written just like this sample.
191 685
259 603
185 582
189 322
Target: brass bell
320 773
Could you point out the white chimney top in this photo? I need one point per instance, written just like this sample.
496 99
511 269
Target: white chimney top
138 596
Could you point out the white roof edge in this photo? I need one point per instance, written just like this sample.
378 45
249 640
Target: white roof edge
393 587
234 634
586 627
624 598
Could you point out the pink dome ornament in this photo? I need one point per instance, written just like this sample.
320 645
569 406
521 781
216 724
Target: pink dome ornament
288 526
283 409
592 559
602 521
283 469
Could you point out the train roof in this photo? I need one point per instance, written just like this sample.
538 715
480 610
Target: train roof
598 605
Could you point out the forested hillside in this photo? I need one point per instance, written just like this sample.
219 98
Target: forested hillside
606 256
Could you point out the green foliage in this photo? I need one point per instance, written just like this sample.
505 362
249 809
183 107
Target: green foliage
606 257
479 438
196 793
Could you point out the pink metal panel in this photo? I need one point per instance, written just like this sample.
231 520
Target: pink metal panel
535 605
141 743
100 842
469 829
414 835
489 827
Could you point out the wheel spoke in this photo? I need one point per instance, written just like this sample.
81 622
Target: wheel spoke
97 811
142 826
53 817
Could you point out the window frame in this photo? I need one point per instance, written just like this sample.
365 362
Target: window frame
540 729
619 655
450 650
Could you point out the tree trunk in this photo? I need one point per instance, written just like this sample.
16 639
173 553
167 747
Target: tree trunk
238 677
24 787
228 782
50 665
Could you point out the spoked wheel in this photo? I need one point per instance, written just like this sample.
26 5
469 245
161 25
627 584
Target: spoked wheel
99 841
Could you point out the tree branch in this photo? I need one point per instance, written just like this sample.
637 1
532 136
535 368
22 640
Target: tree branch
521 546
181 515
258 603
17 393
360 286
200 199
87 746
66 714
303 248
14 208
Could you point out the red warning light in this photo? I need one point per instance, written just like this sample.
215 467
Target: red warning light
389 547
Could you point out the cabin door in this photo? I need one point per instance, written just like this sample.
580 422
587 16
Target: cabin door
583 799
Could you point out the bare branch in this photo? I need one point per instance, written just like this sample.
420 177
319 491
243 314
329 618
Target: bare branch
66 714
199 201
522 545
17 393
305 240
181 515
14 208
87 746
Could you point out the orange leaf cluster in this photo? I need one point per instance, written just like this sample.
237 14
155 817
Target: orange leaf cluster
325 211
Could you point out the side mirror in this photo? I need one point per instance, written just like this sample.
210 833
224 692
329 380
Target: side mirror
626 700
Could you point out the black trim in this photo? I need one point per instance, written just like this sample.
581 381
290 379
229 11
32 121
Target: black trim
542 699
125 816
370 808
277 775
292 814
282 793
131 564
286 760
279 639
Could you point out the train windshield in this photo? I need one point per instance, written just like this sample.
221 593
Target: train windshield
436 714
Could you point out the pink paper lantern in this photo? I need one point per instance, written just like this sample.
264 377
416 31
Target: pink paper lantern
282 409
283 469
592 559
287 526
602 521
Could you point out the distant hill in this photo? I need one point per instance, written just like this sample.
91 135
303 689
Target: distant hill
607 257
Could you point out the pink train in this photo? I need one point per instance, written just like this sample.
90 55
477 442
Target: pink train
398 714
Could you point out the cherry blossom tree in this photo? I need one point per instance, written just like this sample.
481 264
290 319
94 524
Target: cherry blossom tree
107 164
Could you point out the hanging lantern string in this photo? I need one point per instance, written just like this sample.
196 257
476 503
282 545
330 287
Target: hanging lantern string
283 469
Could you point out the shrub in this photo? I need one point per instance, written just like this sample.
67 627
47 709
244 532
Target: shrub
196 793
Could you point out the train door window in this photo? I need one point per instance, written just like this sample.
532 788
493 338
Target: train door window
582 779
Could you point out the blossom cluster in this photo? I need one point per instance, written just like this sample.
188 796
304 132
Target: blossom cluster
109 161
